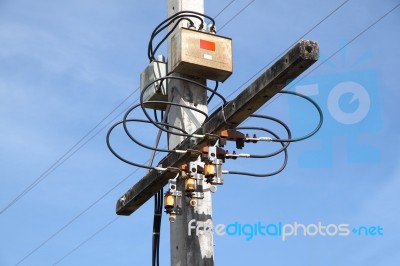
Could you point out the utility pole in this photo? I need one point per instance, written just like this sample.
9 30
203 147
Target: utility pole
188 249
195 209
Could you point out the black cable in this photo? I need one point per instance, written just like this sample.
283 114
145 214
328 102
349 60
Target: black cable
120 157
158 207
160 27
142 103
182 15
213 92
174 104
127 131
286 144
179 15
154 122
136 141
317 128
158 202
124 122
282 141
150 48
162 126
267 174
155 115
197 13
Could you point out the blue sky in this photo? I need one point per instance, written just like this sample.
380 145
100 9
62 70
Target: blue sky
65 65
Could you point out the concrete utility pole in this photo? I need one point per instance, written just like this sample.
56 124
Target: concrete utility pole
188 249
198 249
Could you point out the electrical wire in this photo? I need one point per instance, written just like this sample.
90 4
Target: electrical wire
220 12
69 153
123 159
229 172
86 240
182 15
284 142
161 125
142 102
237 14
76 217
158 197
284 125
316 129
213 92
124 122
334 53
151 51
288 48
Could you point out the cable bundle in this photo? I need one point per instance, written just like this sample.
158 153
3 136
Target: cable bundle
176 18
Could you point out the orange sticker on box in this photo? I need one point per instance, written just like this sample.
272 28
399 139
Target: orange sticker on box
210 46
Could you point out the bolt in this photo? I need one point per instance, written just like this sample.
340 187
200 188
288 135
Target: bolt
254 136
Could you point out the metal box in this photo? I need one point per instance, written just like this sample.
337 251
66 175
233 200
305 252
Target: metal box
158 90
201 54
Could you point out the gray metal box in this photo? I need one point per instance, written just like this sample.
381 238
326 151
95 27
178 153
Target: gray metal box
201 54
158 90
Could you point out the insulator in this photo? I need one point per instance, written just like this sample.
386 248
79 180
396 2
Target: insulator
169 201
209 170
190 184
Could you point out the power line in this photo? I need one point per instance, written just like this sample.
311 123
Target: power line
287 49
68 154
87 240
220 12
76 217
335 53
237 14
